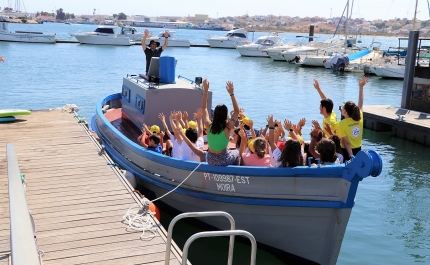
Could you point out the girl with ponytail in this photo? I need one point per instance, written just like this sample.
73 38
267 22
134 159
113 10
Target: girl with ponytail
351 127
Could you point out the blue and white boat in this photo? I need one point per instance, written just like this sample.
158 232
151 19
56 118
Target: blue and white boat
303 211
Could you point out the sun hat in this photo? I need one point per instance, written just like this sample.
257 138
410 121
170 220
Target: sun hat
246 121
251 144
153 41
192 124
154 129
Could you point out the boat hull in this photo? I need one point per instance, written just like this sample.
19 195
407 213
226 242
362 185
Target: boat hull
389 72
27 37
251 51
226 43
303 211
173 42
316 61
103 40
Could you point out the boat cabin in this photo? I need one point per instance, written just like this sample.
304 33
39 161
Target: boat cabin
106 29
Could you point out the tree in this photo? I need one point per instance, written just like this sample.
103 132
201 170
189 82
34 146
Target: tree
122 16
60 14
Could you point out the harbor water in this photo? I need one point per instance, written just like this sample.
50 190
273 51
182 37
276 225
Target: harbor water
389 223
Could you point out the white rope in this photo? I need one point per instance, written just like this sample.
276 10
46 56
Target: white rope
179 184
139 219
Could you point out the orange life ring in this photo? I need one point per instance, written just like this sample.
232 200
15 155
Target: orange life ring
154 209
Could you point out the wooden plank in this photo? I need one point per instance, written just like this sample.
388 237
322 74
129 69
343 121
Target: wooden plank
76 199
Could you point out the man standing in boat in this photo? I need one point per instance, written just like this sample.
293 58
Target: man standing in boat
153 51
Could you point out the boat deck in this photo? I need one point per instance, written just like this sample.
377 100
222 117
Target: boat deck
76 198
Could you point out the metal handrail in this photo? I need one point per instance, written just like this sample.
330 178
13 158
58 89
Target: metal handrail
200 214
221 233
23 246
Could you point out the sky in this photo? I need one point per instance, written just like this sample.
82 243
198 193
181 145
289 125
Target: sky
368 9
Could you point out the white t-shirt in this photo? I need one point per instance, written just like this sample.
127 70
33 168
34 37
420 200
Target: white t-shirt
177 148
187 154
275 157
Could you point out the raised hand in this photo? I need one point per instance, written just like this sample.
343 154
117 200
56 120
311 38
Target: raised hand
162 117
230 87
146 33
206 85
270 121
316 84
316 124
327 128
166 33
185 115
172 115
199 114
302 122
242 134
362 81
288 125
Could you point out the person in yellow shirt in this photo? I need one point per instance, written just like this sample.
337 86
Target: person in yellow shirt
350 129
326 109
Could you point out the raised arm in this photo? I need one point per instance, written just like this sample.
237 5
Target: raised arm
185 119
145 35
243 140
271 127
236 110
363 81
288 125
206 119
177 132
317 87
251 127
142 140
163 120
197 151
166 40
198 116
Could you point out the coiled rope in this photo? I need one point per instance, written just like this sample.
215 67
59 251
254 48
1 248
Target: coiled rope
140 218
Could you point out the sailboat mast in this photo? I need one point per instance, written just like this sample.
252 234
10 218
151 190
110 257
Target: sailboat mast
346 25
415 16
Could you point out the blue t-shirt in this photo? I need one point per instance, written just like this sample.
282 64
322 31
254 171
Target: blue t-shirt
158 149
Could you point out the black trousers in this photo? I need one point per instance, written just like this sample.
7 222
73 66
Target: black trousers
354 152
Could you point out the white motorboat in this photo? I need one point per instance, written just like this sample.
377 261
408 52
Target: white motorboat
173 42
257 48
314 48
231 40
389 70
276 52
132 33
103 35
24 36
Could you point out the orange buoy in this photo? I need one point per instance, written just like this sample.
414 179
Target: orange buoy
154 209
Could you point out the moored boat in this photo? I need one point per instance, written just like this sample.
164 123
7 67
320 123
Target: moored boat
173 41
231 40
24 36
303 210
103 35
257 48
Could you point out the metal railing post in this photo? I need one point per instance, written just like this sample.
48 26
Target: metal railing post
200 214
221 233
23 246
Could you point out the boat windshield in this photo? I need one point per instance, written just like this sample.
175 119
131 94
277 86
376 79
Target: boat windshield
268 43
259 41
228 34
105 30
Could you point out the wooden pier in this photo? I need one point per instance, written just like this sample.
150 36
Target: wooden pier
406 124
76 199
